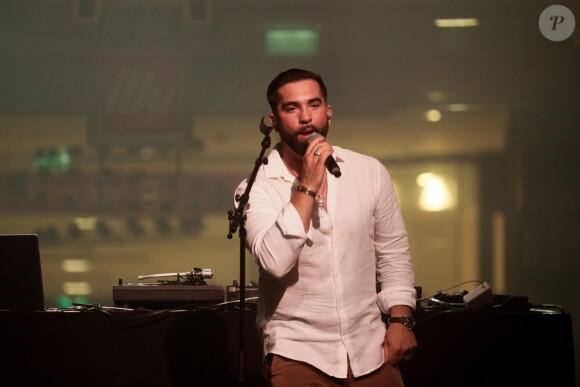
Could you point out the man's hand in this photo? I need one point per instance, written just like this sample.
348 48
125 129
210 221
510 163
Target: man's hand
312 177
313 167
399 341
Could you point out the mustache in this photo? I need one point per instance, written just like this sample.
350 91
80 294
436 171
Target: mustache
308 129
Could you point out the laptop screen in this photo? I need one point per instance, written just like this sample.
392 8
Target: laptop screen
20 273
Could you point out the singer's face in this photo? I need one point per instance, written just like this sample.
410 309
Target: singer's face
300 113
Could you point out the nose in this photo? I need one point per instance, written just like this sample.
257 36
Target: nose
305 116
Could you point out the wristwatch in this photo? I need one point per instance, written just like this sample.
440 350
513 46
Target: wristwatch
408 321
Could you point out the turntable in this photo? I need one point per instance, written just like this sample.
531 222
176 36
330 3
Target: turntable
186 290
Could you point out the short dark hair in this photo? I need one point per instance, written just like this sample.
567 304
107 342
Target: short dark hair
289 76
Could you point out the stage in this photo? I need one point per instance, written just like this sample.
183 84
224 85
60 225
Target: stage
100 347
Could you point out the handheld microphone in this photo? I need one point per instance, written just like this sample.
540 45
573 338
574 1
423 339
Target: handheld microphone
330 162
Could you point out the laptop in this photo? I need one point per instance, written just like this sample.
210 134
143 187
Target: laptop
20 273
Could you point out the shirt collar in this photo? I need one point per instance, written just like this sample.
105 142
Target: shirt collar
277 169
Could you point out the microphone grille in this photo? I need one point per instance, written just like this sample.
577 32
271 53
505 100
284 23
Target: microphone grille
313 136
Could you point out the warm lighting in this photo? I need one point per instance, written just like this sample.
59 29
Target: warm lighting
433 115
435 194
76 266
436 96
77 288
146 153
455 23
85 223
458 107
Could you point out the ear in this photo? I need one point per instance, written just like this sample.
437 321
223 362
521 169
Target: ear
329 112
274 121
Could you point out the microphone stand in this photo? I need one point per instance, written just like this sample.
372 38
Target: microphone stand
237 219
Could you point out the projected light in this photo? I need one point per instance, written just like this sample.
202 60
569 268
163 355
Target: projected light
77 288
435 194
292 42
458 107
85 223
433 115
456 23
76 266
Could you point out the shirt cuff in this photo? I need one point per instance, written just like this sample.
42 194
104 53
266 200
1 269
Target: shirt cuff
291 224
388 298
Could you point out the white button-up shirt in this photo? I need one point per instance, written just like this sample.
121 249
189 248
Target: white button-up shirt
318 299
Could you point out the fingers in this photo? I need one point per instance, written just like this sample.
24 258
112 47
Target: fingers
402 355
317 153
313 168
318 147
396 357
400 343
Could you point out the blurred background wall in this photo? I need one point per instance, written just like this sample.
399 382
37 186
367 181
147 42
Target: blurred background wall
125 125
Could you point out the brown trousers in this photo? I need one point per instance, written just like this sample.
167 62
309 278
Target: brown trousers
284 372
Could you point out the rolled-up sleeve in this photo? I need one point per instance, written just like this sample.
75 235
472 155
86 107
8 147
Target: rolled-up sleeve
275 232
394 263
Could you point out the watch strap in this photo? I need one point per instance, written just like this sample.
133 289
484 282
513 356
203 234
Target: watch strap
408 321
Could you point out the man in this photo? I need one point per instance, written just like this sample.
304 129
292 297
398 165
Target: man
319 241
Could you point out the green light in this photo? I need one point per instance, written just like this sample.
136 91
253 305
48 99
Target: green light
61 160
292 42
63 301
52 159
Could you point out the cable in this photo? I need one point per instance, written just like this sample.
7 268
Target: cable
116 318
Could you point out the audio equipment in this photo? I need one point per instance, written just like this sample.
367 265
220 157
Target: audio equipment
187 291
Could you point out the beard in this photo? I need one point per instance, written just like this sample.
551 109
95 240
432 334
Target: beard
298 144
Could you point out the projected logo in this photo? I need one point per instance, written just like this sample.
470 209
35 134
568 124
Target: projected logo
140 97
557 23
